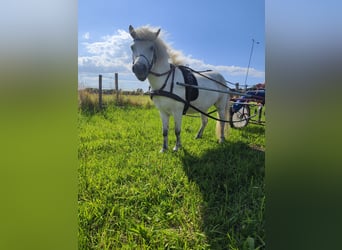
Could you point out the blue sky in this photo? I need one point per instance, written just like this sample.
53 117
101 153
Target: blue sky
214 34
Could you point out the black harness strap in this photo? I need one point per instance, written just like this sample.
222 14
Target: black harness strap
166 94
170 94
171 71
172 80
201 74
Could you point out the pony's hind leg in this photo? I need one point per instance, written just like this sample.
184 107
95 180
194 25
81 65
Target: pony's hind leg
220 126
204 124
223 112
222 138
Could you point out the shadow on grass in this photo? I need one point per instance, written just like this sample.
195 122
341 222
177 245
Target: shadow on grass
231 179
255 129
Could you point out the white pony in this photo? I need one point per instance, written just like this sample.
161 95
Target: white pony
155 60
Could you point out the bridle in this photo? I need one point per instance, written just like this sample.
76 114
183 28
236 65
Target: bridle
150 64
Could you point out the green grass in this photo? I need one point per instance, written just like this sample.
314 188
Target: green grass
206 196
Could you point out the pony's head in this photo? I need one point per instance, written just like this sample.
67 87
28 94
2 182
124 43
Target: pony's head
144 51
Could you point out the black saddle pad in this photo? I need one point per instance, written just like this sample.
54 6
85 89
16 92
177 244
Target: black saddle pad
191 94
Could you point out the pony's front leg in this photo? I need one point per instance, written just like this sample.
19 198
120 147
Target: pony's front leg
178 126
165 119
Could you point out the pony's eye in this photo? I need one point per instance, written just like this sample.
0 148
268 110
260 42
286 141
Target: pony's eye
151 48
132 47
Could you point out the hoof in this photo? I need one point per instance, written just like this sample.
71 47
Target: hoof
221 140
163 150
176 148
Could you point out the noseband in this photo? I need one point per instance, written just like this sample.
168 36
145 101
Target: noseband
150 65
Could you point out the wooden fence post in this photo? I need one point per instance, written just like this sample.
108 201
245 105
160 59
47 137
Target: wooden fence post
116 86
100 91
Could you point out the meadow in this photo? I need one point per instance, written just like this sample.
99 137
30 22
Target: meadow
205 196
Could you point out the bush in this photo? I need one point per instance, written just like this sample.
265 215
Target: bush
87 102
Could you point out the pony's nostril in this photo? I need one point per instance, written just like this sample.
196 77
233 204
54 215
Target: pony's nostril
139 68
143 67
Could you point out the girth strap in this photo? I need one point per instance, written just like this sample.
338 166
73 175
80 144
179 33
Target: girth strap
186 103
172 96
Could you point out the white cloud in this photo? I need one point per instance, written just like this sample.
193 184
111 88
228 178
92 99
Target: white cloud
86 36
113 54
227 70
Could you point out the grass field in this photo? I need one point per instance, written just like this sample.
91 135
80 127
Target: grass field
206 196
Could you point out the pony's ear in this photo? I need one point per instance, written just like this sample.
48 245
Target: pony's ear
157 33
132 32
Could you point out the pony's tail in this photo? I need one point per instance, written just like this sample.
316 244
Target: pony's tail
226 124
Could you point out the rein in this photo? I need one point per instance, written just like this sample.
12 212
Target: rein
160 74
187 104
169 72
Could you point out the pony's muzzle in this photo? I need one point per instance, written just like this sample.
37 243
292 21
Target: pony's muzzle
140 70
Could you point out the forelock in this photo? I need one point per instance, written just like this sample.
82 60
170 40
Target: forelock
146 33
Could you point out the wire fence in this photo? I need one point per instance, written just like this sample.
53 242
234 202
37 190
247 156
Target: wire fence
126 81
109 82
129 83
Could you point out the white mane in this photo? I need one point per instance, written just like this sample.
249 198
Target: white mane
163 50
